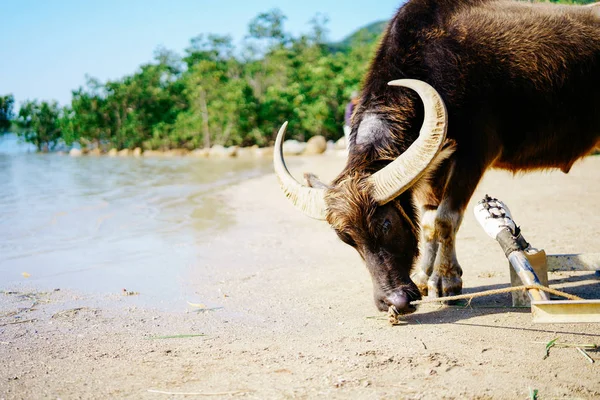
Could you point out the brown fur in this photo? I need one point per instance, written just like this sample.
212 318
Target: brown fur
521 83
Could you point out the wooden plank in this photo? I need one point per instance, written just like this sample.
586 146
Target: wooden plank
574 262
524 270
537 260
566 311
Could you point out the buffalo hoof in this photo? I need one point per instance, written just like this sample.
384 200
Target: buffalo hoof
421 279
444 286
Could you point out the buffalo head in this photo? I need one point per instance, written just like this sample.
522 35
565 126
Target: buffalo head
366 208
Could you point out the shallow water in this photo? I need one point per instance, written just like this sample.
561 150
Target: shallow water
100 224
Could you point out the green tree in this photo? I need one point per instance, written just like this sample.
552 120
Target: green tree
209 48
303 82
221 108
40 124
7 113
124 113
269 26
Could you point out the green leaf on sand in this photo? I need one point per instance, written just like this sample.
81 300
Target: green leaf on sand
549 345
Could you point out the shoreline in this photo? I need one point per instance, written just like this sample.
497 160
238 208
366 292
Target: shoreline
314 146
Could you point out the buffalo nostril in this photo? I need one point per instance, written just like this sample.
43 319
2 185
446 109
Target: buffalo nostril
401 302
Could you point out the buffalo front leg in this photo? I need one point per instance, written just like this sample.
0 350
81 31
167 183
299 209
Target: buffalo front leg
438 272
429 248
428 197
446 277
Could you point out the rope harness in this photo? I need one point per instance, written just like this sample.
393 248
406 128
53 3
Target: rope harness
471 296
393 313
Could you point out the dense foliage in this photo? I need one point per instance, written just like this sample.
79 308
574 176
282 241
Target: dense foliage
214 93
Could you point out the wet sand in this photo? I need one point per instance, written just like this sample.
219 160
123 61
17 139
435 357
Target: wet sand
289 314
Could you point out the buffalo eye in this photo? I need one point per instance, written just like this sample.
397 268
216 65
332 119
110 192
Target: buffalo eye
346 238
386 226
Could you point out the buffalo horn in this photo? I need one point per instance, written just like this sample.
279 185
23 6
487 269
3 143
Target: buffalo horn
406 170
309 200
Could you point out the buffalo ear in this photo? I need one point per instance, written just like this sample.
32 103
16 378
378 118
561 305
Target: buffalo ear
313 181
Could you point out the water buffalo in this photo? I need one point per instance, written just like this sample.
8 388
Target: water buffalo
456 87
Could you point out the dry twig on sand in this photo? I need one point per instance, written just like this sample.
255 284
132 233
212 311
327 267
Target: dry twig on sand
200 393
585 354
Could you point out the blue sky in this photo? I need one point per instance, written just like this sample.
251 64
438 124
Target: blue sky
48 46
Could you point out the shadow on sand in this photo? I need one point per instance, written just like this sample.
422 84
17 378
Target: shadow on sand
501 304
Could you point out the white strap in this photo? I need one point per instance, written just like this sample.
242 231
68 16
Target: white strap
494 216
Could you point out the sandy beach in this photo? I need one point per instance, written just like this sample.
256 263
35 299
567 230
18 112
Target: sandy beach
292 314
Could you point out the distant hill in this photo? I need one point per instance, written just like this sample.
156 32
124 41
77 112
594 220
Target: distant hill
366 34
